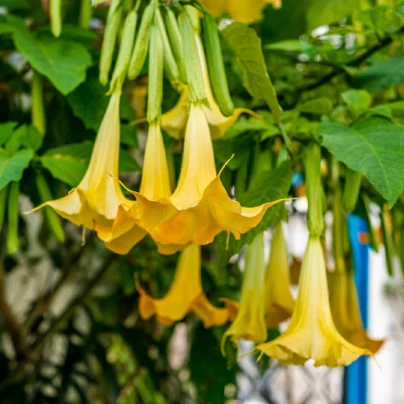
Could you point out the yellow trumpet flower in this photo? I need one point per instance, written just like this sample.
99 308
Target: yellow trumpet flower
249 322
199 208
96 199
241 10
345 311
125 232
278 301
184 296
311 333
174 121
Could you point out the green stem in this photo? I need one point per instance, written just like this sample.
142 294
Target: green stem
85 13
12 218
38 117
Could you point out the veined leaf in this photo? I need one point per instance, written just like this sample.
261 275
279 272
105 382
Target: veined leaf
63 62
374 147
12 165
247 47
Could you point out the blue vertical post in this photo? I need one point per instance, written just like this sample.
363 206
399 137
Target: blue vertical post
356 384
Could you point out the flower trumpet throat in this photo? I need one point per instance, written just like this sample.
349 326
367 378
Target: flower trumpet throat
199 208
184 296
96 199
311 333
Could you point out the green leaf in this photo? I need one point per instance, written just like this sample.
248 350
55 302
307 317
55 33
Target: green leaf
89 103
247 47
12 165
319 106
26 136
374 147
6 130
269 186
69 163
382 75
357 101
63 62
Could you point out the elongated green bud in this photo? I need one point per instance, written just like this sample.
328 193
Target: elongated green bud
12 242
3 204
155 75
400 247
110 36
191 58
125 50
352 187
170 65
142 42
366 202
55 13
194 16
314 189
217 74
37 109
51 216
174 36
85 13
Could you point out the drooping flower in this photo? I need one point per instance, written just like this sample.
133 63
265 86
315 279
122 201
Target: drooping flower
125 232
241 10
249 322
199 208
174 121
184 296
278 300
345 311
311 333
96 199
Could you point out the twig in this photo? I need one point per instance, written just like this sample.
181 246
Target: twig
355 62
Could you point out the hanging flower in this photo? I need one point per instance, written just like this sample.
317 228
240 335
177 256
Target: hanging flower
241 10
278 300
199 208
174 121
184 296
249 322
125 232
345 311
311 333
96 199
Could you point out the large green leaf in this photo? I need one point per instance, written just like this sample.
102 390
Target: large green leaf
382 75
63 62
12 165
6 130
373 146
247 47
269 186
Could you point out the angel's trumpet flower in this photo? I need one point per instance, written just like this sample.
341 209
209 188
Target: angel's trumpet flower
199 208
174 121
345 311
278 300
241 10
249 322
311 333
97 198
184 296
125 231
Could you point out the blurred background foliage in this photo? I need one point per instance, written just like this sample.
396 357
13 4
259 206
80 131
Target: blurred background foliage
69 324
